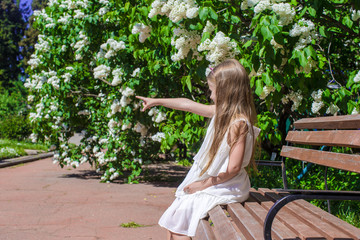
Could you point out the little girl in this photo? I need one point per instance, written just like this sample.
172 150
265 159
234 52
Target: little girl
218 175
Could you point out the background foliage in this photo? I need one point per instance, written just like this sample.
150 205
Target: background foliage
92 57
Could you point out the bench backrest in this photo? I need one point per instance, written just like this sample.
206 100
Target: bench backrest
342 131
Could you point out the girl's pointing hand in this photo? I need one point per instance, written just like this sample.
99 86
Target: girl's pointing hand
147 102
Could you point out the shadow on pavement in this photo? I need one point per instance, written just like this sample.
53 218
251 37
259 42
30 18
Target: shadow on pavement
158 174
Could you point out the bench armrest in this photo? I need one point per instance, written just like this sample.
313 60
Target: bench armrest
296 194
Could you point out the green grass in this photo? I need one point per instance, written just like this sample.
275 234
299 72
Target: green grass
13 148
131 225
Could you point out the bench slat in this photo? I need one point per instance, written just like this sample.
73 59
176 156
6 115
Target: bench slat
223 227
310 218
343 138
289 220
247 224
336 160
204 231
279 230
333 122
329 218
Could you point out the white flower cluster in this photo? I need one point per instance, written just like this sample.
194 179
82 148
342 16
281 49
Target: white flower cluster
33 137
35 81
126 93
140 128
332 109
355 15
34 61
157 116
209 27
354 111
176 10
84 112
266 91
285 11
79 14
185 41
136 72
318 103
304 29
9 150
43 44
79 45
357 77
112 124
111 47
158 137
64 19
53 80
295 97
143 30
117 74
101 72
219 49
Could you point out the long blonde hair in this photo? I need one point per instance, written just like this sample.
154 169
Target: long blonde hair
234 99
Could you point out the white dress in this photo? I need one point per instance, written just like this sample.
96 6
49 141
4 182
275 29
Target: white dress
183 215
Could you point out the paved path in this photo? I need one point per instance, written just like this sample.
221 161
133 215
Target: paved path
41 201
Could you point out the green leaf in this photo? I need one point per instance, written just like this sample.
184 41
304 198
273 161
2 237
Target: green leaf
267 34
259 87
267 79
235 19
322 31
203 13
213 14
311 11
247 44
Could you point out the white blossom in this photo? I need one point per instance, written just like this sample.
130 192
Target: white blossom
140 129
355 15
158 136
332 109
316 106
285 11
117 73
101 72
136 72
354 111
304 29
161 116
357 77
127 92
266 91
143 30
110 48
295 97
176 10
219 49
184 41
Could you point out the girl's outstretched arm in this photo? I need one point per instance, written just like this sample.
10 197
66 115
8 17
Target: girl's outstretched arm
182 104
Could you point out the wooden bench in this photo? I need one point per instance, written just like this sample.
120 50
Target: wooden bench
284 214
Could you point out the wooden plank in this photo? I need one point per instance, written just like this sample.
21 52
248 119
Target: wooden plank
279 230
247 224
310 219
336 222
291 221
223 227
204 231
343 138
348 162
333 122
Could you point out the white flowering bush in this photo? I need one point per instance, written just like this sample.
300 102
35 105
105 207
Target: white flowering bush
94 56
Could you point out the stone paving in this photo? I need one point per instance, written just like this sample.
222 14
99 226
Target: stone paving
42 201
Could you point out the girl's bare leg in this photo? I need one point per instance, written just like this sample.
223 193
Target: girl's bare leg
176 236
168 235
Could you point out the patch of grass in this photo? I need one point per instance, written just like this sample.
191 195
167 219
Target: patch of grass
131 225
13 148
